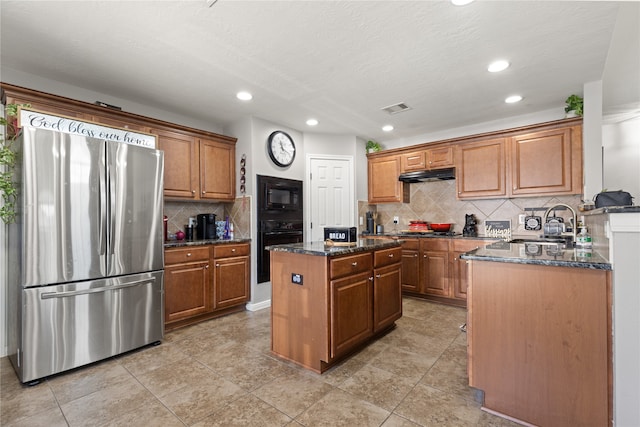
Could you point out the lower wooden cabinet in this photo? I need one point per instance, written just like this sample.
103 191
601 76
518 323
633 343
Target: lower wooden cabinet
202 282
432 268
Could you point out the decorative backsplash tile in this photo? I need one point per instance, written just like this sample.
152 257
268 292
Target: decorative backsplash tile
436 202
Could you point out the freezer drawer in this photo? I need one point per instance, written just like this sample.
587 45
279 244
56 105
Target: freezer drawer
67 326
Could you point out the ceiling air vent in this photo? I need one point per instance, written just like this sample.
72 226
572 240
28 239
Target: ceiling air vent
396 108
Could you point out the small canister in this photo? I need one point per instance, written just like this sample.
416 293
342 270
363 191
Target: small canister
379 229
188 232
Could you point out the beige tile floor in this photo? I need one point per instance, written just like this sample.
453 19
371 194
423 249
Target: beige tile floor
221 373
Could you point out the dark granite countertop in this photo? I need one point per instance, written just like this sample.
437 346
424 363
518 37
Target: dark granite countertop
527 253
181 243
426 235
612 209
321 249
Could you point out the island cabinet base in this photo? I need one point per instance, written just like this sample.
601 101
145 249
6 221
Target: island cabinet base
325 308
539 342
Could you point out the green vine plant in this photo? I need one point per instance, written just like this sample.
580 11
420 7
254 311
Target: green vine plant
8 158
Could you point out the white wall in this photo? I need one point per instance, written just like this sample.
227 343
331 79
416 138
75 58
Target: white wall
592 139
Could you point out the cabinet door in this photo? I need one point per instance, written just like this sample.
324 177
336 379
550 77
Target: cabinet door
435 266
384 186
351 312
387 296
187 290
217 170
415 161
411 266
231 281
441 157
542 162
459 275
180 164
481 169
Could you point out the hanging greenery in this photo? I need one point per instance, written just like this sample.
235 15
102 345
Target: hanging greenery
8 158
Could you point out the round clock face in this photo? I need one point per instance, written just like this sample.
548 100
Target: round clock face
281 147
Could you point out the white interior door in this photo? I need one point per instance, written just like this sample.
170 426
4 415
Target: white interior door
330 194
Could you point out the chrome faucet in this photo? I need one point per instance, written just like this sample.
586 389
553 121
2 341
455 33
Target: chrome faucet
574 225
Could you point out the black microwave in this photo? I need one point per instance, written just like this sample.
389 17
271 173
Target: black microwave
279 194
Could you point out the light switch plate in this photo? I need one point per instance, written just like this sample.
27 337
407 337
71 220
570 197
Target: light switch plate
396 219
521 219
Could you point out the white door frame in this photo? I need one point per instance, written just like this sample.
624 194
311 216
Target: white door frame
307 188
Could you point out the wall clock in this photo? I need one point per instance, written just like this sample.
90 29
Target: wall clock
282 149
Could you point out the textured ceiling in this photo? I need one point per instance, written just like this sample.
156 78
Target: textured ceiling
339 62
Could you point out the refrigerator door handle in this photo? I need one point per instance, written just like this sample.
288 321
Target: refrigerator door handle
103 207
48 295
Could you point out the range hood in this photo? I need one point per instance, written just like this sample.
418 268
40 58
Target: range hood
431 175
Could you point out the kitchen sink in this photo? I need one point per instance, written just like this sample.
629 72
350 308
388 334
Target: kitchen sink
546 241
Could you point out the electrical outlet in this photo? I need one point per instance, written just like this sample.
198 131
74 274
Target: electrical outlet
396 219
521 219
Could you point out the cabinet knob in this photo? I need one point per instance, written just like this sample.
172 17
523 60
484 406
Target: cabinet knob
377 276
424 256
233 250
188 254
390 255
206 266
202 192
371 278
354 263
217 265
193 191
415 255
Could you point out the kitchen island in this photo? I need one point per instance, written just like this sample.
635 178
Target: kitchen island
329 301
539 333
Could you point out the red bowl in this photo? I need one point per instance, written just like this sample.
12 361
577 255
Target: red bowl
440 227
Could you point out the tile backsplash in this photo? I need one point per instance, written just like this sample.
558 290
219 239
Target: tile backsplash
239 213
436 202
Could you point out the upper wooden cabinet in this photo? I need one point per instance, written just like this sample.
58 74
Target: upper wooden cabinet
384 186
199 165
434 158
481 169
547 162
217 170
181 166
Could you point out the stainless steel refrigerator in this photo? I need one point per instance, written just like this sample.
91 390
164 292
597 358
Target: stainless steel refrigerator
86 252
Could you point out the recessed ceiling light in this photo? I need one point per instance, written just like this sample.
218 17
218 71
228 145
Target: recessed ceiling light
497 66
461 2
513 98
387 128
244 96
312 122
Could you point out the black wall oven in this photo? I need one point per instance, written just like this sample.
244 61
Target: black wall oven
280 218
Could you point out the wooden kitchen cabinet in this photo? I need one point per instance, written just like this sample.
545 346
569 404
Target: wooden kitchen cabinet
186 283
231 274
481 169
435 266
433 158
387 295
384 187
339 303
411 266
440 157
181 168
539 340
202 282
547 161
217 170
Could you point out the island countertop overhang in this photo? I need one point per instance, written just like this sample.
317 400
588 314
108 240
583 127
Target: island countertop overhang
320 248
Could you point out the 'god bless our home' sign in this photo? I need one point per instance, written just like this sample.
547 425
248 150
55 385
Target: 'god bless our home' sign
40 120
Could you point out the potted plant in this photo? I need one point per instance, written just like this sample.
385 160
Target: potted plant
573 106
373 146
8 187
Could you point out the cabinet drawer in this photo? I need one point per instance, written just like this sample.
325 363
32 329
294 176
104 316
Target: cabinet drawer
387 256
227 251
435 244
181 255
344 266
411 244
